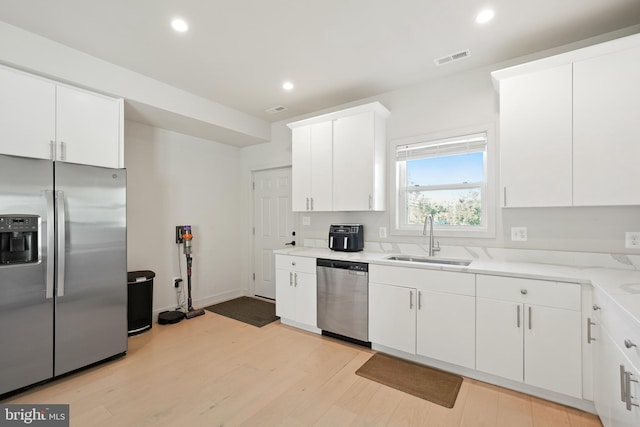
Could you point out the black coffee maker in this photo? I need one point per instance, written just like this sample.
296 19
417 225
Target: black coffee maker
18 239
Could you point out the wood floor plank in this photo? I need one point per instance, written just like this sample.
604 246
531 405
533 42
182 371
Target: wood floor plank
212 370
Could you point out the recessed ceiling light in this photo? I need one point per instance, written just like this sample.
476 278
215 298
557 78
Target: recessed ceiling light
287 86
485 16
179 25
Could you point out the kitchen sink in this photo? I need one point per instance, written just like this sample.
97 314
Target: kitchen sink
409 258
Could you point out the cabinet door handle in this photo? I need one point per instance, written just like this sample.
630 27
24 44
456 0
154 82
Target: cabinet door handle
52 150
312 203
623 385
518 316
419 300
290 279
505 196
628 343
307 203
596 307
410 300
529 317
627 382
63 151
295 280
589 324
370 202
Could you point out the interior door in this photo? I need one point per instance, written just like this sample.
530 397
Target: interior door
273 225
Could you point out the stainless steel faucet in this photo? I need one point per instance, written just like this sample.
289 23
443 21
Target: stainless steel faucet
432 248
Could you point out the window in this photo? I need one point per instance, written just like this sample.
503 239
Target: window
446 177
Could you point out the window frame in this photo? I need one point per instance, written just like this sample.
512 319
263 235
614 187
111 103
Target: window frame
487 229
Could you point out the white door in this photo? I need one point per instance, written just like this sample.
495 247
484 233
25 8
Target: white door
392 316
273 225
553 348
87 128
499 338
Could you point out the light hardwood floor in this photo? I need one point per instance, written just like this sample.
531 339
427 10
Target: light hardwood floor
214 371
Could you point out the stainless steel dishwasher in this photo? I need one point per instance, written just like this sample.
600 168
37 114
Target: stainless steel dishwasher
343 300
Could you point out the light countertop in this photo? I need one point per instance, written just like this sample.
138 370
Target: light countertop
620 285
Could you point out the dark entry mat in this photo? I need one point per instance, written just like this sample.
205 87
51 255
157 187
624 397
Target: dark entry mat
248 310
418 380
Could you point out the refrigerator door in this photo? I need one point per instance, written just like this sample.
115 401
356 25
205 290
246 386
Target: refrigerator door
91 277
26 305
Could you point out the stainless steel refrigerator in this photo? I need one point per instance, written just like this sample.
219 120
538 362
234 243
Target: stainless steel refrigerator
63 278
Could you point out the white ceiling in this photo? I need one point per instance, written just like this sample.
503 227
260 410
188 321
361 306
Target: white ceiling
238 52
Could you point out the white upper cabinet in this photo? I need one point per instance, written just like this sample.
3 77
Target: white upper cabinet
569 128
358 162
88 127
27 115
312 167
536 138
43 119
606 122
339 160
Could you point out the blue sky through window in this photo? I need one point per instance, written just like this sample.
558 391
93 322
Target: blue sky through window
455 169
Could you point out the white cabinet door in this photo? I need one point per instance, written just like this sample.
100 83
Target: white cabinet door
27 115
499 334
285 294
606 129
88 128
300 168
321 167
446 327
312 169
536 138
306 298
553 349
353 162
392 316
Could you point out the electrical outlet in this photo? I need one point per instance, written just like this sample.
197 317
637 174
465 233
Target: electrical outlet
306 220
176 282
382 232
632 240
519 234
179 232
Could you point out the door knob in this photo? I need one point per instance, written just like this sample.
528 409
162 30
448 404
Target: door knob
291 243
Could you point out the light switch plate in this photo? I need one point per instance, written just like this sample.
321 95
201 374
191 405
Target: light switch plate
382 232
306 220
519 234
632 240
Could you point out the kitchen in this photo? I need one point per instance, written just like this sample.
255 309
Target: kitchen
193 175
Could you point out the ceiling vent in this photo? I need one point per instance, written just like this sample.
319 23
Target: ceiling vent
452 57
275 110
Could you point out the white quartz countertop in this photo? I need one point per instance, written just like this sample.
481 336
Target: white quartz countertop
620 285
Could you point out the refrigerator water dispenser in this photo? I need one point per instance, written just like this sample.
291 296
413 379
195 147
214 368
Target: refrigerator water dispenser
19 239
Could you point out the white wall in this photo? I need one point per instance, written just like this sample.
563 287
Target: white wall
453 102
175 179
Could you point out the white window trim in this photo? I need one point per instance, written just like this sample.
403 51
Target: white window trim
488 202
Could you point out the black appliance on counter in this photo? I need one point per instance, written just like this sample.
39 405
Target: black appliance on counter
346 237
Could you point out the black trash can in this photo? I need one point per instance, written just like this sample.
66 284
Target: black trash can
140 301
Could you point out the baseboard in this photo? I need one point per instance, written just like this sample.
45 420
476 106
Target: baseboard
203 302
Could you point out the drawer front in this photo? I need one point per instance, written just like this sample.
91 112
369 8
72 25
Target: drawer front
615 322
428 280
529 291
300 264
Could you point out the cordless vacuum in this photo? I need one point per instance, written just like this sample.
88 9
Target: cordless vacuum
186 239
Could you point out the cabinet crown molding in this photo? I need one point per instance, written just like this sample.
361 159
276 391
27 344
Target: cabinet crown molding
376 107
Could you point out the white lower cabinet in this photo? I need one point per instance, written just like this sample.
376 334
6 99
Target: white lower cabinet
424 312
530 331
296 297
616 391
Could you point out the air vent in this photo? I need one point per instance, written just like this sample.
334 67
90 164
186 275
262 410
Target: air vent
275 110
452 57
